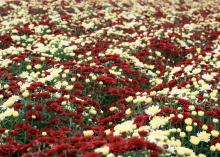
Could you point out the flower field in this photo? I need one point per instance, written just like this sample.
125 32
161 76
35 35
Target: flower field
107 78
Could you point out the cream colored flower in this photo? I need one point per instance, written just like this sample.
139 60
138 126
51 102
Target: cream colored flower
207 77
129 99
213 148
217 145
103 150
25 93
215 133
44 133
152 110
194 140
203 136
37 66
108 132
148 100
88 133
188 121
158 121
128 111
189 128
158 135
127 126
15 114
11 101
201 155
182 134
184 151
92 111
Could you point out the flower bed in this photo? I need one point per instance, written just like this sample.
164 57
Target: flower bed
109 78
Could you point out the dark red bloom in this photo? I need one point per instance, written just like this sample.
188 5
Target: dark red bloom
78 85
91 155
141 120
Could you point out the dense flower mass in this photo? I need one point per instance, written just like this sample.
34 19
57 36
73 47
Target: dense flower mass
110 78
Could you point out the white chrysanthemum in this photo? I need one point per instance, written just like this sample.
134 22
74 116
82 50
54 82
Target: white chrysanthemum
129 99
196 71
203 136
184 151
127 126
158 121
153 110
25 93
207 77
88 133
11 101
188 68
103 150
194 140
158 135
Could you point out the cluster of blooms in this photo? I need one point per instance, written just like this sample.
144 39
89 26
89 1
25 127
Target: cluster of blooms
109 78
